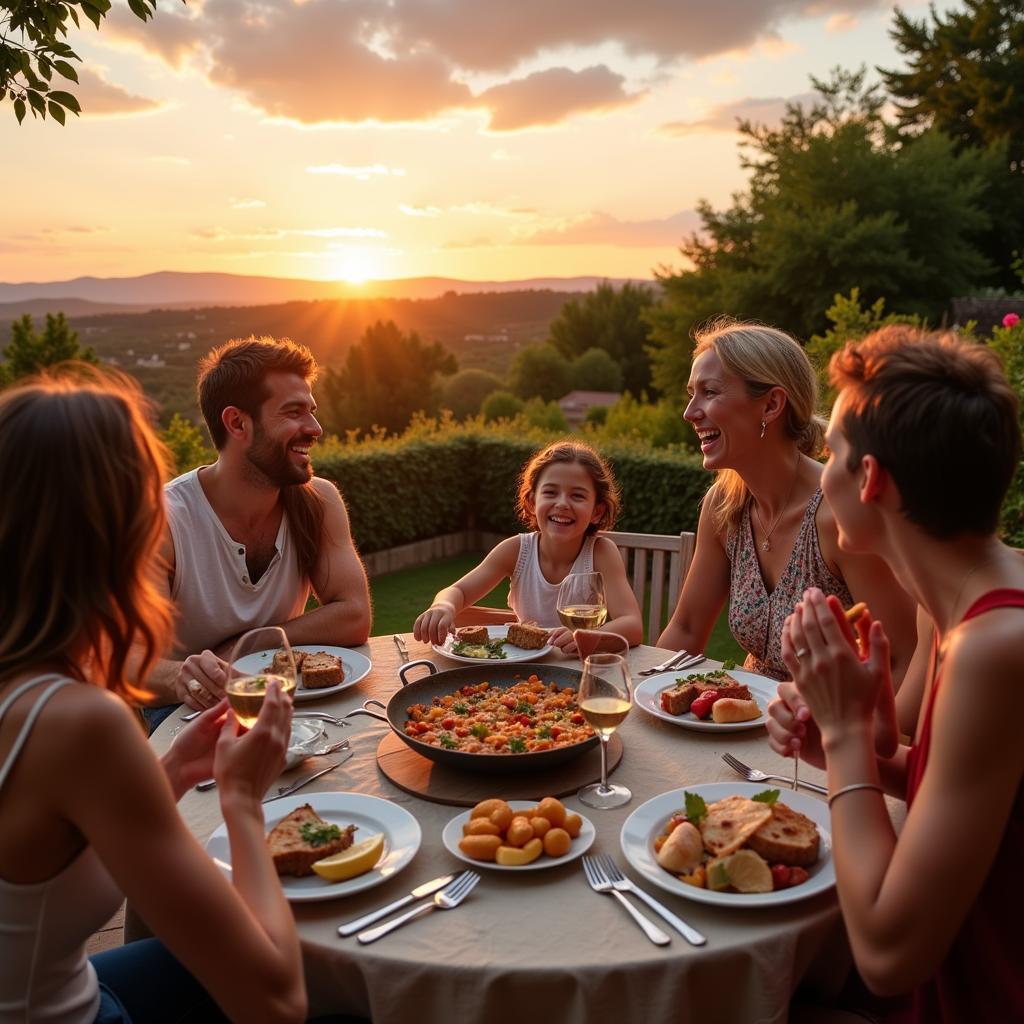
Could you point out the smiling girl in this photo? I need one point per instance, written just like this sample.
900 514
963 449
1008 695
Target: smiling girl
566 495
765 534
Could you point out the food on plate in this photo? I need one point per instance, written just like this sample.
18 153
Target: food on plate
527 635
280 660
497 833
731 709
356 860
739 844
527 717
486 649
697 694
302 837
472 634
320 670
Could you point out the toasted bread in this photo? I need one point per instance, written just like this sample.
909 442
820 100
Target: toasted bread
472 635
527 635
787 837
320 670
729 823
677 700
294 853
280 662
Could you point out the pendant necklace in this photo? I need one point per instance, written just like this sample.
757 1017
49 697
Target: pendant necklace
766 544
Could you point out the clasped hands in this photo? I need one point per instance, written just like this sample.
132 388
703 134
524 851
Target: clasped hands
839 677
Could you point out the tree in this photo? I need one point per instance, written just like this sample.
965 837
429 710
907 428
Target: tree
29 352
187 444
465 392
546 415
387 376
964 77
32 48
501 405
595 370
610 319
539 371
835 201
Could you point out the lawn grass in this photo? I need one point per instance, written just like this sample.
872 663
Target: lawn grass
398 597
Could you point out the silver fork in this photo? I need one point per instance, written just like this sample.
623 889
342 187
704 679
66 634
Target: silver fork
447 899
756 775
599 882
623 884
680 660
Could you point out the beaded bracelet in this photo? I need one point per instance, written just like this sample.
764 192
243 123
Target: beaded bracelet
849 789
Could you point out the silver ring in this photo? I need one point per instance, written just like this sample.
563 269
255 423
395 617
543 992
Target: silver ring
195 686
801 652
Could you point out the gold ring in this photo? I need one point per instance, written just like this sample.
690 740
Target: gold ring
801 652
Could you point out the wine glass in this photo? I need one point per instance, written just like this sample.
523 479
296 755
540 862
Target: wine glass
259 656
581 602
606 693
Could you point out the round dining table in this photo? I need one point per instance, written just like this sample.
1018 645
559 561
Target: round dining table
542 945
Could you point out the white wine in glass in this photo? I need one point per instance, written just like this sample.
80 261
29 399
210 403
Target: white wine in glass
581 602
606 695
247 689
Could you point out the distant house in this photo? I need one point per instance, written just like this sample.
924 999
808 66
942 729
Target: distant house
576 404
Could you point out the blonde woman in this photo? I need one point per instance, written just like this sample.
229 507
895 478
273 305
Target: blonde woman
765 535
88 811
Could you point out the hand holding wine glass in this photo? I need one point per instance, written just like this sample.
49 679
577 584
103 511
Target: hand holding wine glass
605 697
246 690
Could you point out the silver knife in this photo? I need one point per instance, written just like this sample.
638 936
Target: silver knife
417 894
305 780
403 651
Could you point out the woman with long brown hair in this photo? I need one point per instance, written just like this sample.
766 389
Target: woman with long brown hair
88 811
765 534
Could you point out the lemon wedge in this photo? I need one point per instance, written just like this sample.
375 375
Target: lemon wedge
356 860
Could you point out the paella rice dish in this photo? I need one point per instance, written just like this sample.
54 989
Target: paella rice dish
524 718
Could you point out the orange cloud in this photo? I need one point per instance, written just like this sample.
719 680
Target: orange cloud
603 229
100 98
726 116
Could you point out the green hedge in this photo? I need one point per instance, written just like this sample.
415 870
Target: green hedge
437 480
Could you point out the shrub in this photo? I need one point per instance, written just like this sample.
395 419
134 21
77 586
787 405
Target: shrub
1009 343
465 392
501 405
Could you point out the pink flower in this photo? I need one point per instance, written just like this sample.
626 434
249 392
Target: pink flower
1011 320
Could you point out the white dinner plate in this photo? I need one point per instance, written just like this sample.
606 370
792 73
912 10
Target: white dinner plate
356 668
647 695
645 824
453 833
512 654
369 814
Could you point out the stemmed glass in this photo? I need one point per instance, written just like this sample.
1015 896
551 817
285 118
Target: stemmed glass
606 693
581 602
259 656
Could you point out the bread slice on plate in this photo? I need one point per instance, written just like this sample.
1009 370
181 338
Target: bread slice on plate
280 662
472 635
787 837
527 635
320 670
303 837
729 823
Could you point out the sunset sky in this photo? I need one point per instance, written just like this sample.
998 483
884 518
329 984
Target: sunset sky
353 139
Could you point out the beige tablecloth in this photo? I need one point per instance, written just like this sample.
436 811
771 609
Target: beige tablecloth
542 945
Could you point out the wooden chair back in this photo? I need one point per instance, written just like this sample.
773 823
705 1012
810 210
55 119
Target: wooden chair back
656 564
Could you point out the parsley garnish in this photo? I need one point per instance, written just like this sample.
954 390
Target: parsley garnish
544 733
769 796
516 745
319 833
447 742
460 709
480 731
524 707
695 807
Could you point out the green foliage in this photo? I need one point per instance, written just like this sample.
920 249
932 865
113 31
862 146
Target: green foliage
187 444
441 477
612 320
501 405
849 321
963 77
835 201
465 392
1009 343
540 371
597 415
595 370
29 352
659 424
386 378
33 47
546 415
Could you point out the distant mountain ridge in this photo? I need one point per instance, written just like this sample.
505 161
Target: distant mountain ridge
172 288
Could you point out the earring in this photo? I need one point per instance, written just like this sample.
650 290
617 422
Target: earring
764 427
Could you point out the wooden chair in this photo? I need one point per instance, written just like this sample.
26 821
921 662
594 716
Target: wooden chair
657 564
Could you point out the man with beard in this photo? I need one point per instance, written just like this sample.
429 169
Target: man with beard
251 535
